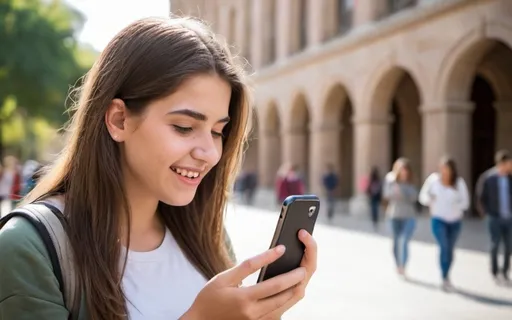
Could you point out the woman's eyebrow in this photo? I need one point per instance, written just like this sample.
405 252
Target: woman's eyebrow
196 115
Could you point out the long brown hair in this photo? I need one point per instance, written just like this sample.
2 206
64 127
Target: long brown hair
452 167
148 60
404 164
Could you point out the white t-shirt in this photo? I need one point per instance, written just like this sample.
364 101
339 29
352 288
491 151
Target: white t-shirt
446 203
160 284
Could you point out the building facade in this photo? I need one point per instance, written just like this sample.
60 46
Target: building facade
359 83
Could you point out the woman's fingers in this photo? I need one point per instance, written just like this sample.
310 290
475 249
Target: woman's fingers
277 284
309 261
237 274
268 308
297 294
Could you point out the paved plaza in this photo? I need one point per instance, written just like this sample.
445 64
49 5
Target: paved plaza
356 278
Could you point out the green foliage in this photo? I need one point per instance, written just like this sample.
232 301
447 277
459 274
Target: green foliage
40 60
38 55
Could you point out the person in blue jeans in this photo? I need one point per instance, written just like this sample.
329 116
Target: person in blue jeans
401 195
446 194
496 203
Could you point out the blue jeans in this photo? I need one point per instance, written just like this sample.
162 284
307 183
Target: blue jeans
446 234
403 228
330 203
375 206
501 232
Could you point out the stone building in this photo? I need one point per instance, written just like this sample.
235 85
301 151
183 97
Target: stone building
358 83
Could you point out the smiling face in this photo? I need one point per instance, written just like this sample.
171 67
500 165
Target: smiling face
169 149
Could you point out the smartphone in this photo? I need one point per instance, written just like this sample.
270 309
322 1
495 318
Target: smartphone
297 212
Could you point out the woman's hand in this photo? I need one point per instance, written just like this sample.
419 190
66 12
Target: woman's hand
309 262
222 298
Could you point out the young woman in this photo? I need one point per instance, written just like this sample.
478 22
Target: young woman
401 195
154 145
446 194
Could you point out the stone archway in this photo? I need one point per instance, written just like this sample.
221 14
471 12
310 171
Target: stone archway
271 146
480 78
396 104
297 134
338 138
406 134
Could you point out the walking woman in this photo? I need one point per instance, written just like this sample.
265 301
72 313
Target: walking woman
156 141
401 210
446 194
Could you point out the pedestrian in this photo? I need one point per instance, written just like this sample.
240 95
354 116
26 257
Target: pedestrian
10 181
289 182
143 183
496 202
250 185
391 176
374 192
445 193
401 195
330 182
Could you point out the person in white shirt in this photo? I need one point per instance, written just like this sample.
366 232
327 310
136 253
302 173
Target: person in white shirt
155 143
446 195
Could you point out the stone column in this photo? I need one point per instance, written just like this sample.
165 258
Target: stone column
372 148
257 34
316 21
269 157
447 131
503 125
296 145
367 11
325 148
283 28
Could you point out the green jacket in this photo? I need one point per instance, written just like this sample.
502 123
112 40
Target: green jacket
28 287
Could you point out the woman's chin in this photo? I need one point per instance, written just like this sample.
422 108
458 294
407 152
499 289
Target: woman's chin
178 201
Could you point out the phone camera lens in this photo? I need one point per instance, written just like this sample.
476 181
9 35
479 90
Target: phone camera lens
311 211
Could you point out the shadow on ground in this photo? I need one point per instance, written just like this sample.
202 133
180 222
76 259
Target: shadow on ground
464 293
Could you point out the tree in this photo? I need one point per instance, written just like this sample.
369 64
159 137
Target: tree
38 60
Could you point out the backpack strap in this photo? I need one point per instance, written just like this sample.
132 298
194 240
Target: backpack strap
50 224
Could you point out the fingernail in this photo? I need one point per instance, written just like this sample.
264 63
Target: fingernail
302 272
303 233
280 249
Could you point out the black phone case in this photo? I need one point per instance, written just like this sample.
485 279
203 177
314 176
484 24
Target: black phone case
297 218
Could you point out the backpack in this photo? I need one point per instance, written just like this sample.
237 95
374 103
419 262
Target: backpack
50 225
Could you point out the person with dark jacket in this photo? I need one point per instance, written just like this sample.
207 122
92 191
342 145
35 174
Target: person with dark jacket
330 182
496 201
374 192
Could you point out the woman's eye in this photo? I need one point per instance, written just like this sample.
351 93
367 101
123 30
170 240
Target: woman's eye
182 130
217 134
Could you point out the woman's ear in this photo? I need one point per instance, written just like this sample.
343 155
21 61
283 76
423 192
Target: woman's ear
115 120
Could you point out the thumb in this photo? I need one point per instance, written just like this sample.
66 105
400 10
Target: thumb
237 274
